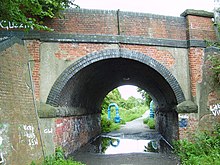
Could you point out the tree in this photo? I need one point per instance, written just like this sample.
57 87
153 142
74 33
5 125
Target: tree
145 96
113 97
31 13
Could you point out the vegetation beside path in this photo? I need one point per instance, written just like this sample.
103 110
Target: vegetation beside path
129 109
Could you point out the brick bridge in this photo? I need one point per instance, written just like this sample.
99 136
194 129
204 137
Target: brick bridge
90 53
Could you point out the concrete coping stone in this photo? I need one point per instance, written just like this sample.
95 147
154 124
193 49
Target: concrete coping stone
201 13
187 107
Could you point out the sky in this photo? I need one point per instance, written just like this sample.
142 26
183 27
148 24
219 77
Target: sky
129 90
161 7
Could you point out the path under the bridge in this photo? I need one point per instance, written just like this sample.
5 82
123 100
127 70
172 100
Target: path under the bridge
135 129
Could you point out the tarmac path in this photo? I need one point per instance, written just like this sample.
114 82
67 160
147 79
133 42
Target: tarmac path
135 129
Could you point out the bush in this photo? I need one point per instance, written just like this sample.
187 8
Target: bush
58 159
108 125
146 120
203 149
150 122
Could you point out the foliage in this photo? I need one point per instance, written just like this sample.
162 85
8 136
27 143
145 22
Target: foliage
58 159
215 70
129 110
145 96
108 125
112 97
31 13
150 122
214 63
204 149
133 113
115 97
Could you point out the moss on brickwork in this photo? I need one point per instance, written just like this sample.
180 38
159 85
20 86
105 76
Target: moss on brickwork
45 110
197 13
187 107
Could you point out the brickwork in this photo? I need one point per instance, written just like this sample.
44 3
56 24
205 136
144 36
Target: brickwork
192 126
152 26
200 28
18 125
59 85
162 56
112 22
34 50
196 60
73 51
83 38
86 22
73 132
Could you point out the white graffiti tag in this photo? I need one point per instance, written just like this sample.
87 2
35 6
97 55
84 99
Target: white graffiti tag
29 133
47 130
215 109
11 25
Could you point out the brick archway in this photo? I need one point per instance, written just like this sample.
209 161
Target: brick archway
163 75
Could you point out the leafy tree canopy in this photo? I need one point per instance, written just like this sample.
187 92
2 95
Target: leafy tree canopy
31 13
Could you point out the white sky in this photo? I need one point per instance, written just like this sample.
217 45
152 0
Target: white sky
129 90
162 7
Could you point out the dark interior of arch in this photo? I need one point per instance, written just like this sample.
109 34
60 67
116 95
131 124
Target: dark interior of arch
88 87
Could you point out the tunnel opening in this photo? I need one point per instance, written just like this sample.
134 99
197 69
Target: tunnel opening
125 104
81 88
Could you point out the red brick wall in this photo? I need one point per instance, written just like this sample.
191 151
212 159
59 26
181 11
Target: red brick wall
196 58
140 25
21 142
73 51
191 128
163 56
34 50
200 28
97 22
85 23
73 132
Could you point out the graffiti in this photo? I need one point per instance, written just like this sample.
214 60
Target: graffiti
4 142
1 154
2 39
28 132
215 109
47 130
183 121
11 25
1 158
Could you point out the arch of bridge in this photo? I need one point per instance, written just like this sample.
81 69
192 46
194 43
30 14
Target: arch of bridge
85 83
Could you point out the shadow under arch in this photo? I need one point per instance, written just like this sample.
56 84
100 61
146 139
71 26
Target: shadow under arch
160 73
81 88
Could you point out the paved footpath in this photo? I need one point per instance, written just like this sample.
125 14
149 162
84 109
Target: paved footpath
132 130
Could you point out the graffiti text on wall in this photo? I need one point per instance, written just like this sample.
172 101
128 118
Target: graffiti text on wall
215 109
11 25
4 142
27 132
48 130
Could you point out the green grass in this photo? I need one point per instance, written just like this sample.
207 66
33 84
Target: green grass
58 159
134 113
108 125
150 122
126 116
